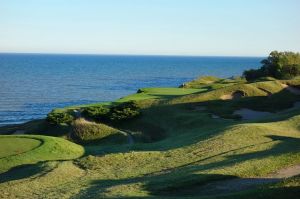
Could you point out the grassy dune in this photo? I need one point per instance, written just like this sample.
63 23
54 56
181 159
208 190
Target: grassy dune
188 148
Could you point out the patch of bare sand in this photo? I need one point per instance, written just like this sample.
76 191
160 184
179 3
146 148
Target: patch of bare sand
232 96
248 114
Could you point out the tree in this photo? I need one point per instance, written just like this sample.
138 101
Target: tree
280 65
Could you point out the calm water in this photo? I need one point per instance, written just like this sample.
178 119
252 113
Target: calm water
31 85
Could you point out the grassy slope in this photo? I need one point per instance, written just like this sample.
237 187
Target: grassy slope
195 150
91 132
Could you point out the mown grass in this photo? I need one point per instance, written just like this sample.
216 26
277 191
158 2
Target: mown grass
35 148
14 145
159 93
186 150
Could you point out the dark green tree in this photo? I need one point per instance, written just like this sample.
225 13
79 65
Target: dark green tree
280 65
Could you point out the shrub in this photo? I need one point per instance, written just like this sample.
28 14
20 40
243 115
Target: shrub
98 113
59 118
253 74
124 111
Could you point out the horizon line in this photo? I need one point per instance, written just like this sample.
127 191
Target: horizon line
129 54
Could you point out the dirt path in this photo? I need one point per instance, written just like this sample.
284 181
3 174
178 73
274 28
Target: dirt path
241 184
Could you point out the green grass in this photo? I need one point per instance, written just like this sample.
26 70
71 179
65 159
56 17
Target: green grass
186 149
13 145
29 149
159 93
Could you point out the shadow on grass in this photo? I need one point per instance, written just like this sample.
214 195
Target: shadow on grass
21 172
185 180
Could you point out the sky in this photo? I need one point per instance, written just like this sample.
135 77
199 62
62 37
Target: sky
150 27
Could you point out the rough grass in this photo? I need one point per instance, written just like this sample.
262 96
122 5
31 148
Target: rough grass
86 132
192 150
210 82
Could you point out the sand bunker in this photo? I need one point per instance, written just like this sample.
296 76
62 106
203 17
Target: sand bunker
248 114
234 95
19 132
215 117
199 108
292 89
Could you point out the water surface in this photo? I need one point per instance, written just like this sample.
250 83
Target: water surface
33 84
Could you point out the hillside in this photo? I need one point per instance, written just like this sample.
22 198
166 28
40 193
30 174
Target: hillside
210 138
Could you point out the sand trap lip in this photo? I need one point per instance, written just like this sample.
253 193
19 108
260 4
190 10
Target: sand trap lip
232 96
292 89
248 114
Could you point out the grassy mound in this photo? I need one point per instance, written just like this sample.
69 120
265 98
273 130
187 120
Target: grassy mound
29 149
86 132
211 82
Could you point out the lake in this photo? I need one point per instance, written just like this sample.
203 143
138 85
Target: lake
31 85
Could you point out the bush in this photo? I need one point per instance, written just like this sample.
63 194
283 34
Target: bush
280 65
59 118
97 113
253 74
124 111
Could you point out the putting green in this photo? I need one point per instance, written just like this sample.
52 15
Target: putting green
13 146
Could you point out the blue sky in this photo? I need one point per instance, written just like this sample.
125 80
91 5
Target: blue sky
165 27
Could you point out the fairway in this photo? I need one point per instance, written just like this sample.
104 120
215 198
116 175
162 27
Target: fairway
160 93
14 145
